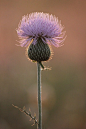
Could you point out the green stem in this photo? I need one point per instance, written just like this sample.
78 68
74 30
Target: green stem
39 95
41 65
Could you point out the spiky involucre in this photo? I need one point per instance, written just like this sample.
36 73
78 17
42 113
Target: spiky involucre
39 52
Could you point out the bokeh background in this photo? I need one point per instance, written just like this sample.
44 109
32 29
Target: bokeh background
63 87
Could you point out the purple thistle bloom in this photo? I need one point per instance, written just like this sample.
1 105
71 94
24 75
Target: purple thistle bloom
40 25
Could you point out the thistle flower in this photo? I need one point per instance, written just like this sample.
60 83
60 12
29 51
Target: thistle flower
39 30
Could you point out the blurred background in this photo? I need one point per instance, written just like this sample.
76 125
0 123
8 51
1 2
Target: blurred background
63 87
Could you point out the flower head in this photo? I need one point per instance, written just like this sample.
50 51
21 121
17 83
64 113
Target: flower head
43 26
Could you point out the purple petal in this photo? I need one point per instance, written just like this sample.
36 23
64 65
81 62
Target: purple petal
42 25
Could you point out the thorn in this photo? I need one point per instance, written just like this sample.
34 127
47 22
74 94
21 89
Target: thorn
24 108
29 110
30 119
34 115
33 124
46 68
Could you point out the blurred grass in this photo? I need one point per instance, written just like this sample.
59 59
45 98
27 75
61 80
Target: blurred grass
64 87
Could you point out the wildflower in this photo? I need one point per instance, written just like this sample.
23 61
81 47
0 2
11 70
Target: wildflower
39 30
